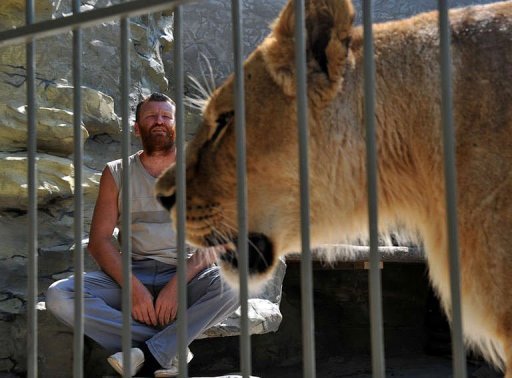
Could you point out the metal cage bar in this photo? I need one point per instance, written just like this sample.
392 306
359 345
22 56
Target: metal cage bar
181 193
78 222
241 174
32 340
306 266
60 25
126 243
459 355
377 333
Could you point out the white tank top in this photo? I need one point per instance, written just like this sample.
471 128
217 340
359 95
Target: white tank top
153 235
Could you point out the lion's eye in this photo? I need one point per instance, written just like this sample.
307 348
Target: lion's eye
224 120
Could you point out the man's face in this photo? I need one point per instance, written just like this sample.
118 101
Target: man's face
156 126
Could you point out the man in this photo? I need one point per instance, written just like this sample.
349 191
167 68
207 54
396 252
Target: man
154 258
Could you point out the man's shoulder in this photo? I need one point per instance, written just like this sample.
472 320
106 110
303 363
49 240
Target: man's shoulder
118 163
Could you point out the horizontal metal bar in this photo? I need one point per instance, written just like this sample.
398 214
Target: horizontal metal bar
56 26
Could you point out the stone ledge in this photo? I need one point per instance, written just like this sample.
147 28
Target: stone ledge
343 256
264 316
56 361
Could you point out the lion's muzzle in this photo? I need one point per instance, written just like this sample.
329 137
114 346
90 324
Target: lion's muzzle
261 255
167 201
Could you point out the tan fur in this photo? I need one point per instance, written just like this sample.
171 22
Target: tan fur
411 178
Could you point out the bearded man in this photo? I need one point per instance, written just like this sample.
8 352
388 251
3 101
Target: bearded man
154 258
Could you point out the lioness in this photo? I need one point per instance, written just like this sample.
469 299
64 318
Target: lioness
411 178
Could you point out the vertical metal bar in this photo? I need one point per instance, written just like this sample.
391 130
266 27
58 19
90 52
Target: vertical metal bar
126 194
78 335
243 246
32 200
180 193
459 355
308 323
377 337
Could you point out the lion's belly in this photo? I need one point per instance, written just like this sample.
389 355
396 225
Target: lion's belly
480 317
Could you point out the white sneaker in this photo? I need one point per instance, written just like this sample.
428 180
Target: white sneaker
173 370
137 360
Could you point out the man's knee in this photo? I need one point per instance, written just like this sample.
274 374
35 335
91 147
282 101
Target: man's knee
59 301
224 292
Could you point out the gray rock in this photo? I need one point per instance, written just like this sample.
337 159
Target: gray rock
10 272
55 345
208 33
98 112
263 311
55 180
208 36
11 306
101 66
7 345
12 12
54 130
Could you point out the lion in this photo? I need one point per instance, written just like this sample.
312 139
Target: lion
411 189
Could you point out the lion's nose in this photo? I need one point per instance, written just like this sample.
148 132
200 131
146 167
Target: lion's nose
167 201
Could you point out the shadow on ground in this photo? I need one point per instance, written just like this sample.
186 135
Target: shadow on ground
417 337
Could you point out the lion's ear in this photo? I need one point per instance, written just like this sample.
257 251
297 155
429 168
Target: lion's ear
328 27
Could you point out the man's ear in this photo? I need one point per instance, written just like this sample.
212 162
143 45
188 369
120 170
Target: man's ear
328 34
136 129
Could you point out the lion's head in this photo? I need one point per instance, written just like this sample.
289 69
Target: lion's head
272 145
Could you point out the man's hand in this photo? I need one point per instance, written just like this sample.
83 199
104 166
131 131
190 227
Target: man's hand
143 309
166 305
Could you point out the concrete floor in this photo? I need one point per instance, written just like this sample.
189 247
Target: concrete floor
420 366
412 366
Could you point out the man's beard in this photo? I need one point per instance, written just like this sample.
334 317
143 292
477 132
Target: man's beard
157 143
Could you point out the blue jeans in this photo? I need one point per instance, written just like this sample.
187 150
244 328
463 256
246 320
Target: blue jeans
209 301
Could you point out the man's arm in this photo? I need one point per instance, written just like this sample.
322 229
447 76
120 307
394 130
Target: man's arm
199 261
107 255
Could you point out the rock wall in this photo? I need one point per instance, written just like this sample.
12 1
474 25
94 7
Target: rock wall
207 44
54 118
207 31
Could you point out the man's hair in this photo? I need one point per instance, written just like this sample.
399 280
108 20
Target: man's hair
157 97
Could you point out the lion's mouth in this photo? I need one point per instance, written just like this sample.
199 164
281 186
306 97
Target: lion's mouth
261 250
261 254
